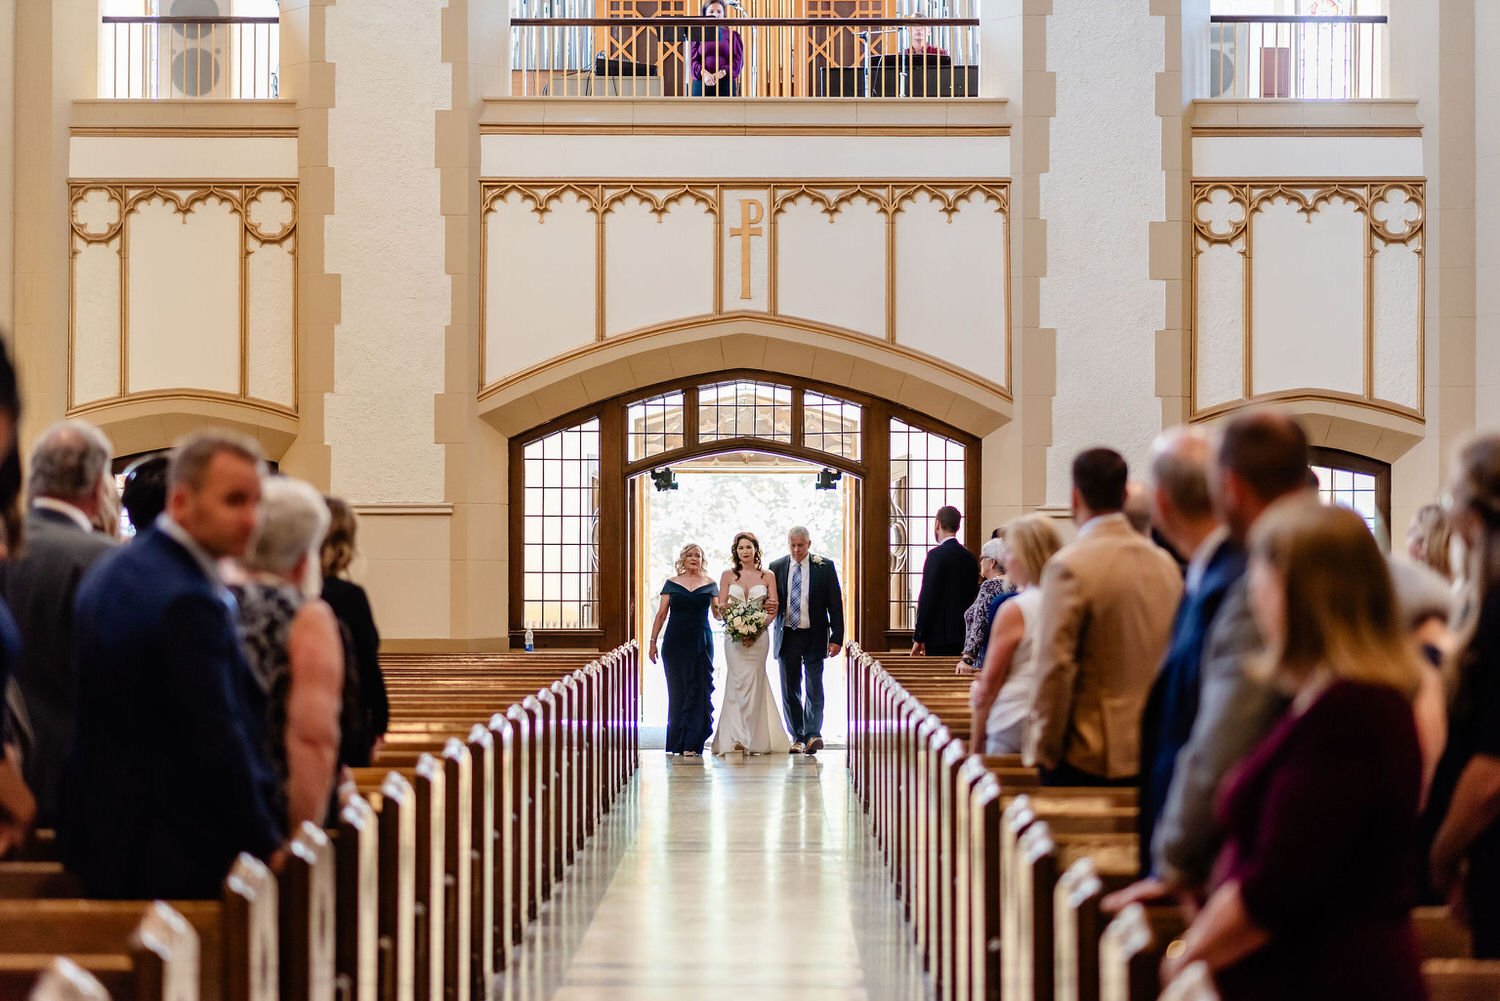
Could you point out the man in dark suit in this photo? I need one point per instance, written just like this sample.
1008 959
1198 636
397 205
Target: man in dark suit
950 580
1182 509
809 627
168 778
39 584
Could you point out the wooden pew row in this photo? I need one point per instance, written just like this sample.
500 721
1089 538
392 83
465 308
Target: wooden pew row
390 921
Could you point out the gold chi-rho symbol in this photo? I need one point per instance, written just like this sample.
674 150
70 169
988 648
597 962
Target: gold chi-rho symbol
751 214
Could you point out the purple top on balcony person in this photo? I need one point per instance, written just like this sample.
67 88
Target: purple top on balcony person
714 61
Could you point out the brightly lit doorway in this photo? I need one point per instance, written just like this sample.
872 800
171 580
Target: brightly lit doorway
714 498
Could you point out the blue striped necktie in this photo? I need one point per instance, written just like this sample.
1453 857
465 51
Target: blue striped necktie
795 608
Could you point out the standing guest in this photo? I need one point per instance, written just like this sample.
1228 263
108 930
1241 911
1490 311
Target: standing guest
1000 700
1428 538
70 462
294 647
1465 858
950 579
145 493
1137 507
1315 888
1183 511
1261 457
352 607
979 615
687 654
106 520
17 805
1106 616
809 627
715 56
167 780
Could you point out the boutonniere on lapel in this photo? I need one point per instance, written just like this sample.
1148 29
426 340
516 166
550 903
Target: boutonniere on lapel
817 561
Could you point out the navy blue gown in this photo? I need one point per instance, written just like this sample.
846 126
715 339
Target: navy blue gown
687 657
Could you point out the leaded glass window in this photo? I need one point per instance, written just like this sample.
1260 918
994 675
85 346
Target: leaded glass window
927 472
745 410
831 425
561 557
654 426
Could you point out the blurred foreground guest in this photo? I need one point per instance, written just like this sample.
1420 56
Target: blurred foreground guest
1106 616
1465 858
145 493
1183 510
17 806
352 606
979 615
68 466
168 780
1000 699
106 519
1314 888
1428 538
293 644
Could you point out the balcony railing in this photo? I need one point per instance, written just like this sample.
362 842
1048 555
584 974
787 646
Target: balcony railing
1260 56
163 58
758 56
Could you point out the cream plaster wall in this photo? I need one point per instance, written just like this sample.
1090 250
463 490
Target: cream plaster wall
96 321
951 295
539 282
270 283
713 157
831 268
1103 190
7 164
1219 354
184 157
1307 156
1487 212
1396 274
665 265
1308 298
386 242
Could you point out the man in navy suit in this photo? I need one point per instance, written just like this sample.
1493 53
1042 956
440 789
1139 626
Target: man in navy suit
809 626
168 778
950 580
1182 510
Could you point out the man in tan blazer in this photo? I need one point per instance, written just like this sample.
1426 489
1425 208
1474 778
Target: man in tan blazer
1107 606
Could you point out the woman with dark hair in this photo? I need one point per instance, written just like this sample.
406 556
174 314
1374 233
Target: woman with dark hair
17 805
1465 859
748 720
351 606
715 56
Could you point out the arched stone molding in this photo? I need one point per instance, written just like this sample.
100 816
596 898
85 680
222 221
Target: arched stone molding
1345 425
143 425
703 345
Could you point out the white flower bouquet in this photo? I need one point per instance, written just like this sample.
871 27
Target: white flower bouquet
744 621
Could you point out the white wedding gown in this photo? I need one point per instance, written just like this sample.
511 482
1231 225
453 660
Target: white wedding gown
749 716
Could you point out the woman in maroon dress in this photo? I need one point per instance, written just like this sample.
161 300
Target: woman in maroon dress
1316 881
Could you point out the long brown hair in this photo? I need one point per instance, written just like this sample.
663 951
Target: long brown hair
1340 606
1475 493
337 551
734 552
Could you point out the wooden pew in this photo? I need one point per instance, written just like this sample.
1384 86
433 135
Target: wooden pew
236 937
357 896
65 980
147 951
308 904
1131 949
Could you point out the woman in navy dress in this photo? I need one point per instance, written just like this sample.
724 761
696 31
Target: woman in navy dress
1316 881
687 653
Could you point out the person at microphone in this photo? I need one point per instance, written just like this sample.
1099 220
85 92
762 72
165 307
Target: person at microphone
715 56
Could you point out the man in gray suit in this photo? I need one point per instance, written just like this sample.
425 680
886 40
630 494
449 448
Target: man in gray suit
70 460
1261 458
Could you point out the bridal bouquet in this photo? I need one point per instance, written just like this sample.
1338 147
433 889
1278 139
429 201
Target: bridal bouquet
744 621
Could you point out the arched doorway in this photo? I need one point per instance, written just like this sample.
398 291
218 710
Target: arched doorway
575 569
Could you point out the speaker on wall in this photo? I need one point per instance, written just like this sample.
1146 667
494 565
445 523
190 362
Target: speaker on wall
192 57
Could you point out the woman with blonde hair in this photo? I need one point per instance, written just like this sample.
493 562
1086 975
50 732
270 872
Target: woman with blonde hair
1465 859
687 652
1314 886
1000 698
1428 538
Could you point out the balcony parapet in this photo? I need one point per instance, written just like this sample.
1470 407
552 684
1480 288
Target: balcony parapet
746 116
1289 116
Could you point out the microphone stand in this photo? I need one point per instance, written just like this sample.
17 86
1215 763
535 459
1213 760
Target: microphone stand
866 36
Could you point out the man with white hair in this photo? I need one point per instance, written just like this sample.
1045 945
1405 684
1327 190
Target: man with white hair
809 627
69 463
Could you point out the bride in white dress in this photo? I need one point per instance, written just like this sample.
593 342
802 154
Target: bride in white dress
749 721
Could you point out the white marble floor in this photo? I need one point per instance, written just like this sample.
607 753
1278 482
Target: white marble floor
744 880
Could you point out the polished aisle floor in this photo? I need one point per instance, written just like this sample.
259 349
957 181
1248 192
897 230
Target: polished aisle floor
725 878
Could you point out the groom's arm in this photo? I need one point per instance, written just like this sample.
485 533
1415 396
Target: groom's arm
835 607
